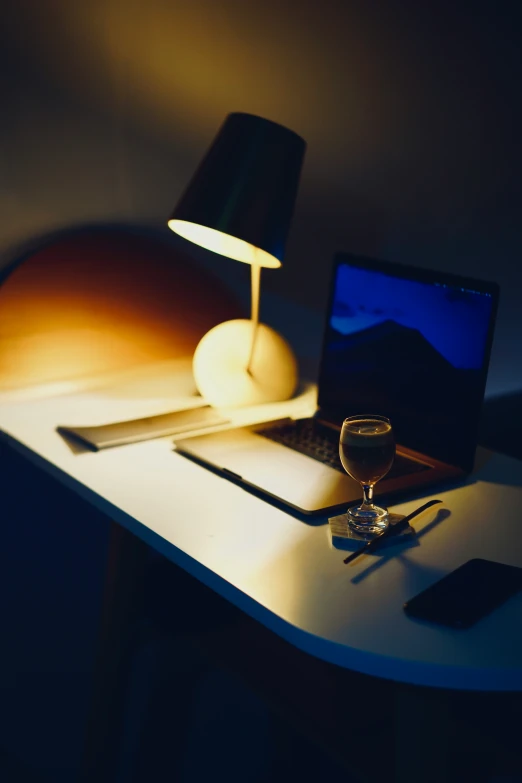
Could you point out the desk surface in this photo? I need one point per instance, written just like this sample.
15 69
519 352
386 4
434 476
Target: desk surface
281 570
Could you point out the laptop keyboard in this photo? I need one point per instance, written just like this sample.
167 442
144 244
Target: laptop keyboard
314 439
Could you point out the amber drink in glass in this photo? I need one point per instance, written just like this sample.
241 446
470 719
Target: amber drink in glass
367 451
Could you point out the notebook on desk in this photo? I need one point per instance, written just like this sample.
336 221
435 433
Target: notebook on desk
403 342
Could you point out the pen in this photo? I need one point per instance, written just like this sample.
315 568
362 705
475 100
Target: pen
372 545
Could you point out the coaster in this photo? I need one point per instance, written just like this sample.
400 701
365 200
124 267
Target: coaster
343 537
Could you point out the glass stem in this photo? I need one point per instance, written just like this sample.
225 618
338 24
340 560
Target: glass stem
367 495
255 278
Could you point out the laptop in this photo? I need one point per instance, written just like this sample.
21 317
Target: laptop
403 342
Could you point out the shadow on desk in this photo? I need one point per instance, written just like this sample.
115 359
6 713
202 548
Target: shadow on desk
400 549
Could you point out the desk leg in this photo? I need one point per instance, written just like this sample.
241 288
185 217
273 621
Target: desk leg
434 742
121 606
422 739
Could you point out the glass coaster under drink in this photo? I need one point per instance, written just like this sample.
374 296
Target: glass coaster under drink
343 536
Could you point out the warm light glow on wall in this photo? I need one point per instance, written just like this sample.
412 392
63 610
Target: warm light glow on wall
178 68
99 303
63 354
224 244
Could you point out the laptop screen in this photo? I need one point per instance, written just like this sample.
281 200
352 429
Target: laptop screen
412 345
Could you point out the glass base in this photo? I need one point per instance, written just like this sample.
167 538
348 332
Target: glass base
367 519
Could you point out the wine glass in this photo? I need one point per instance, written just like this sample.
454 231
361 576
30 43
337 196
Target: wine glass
367 450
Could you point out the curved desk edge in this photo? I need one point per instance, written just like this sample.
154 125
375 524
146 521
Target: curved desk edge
413 673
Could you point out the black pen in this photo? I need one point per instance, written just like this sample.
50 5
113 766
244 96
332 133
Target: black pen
372 545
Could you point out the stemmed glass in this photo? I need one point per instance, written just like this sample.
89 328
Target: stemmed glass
367 451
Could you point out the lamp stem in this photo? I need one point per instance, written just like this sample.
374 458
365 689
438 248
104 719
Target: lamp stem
255 279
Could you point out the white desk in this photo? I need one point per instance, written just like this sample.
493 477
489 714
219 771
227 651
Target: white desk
278 569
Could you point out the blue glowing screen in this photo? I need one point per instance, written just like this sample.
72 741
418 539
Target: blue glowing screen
413 350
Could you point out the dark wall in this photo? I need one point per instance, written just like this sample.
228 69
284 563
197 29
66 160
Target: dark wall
411 111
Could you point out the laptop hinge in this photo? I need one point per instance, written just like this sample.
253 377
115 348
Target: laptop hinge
328 421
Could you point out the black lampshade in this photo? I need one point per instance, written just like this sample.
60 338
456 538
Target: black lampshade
245 187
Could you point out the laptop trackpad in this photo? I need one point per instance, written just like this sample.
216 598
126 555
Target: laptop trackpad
293 478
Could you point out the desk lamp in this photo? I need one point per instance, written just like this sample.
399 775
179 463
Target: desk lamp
239 204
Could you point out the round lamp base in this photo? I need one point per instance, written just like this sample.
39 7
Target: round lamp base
221 359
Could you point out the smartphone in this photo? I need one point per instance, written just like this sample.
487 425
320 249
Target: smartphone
465 595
